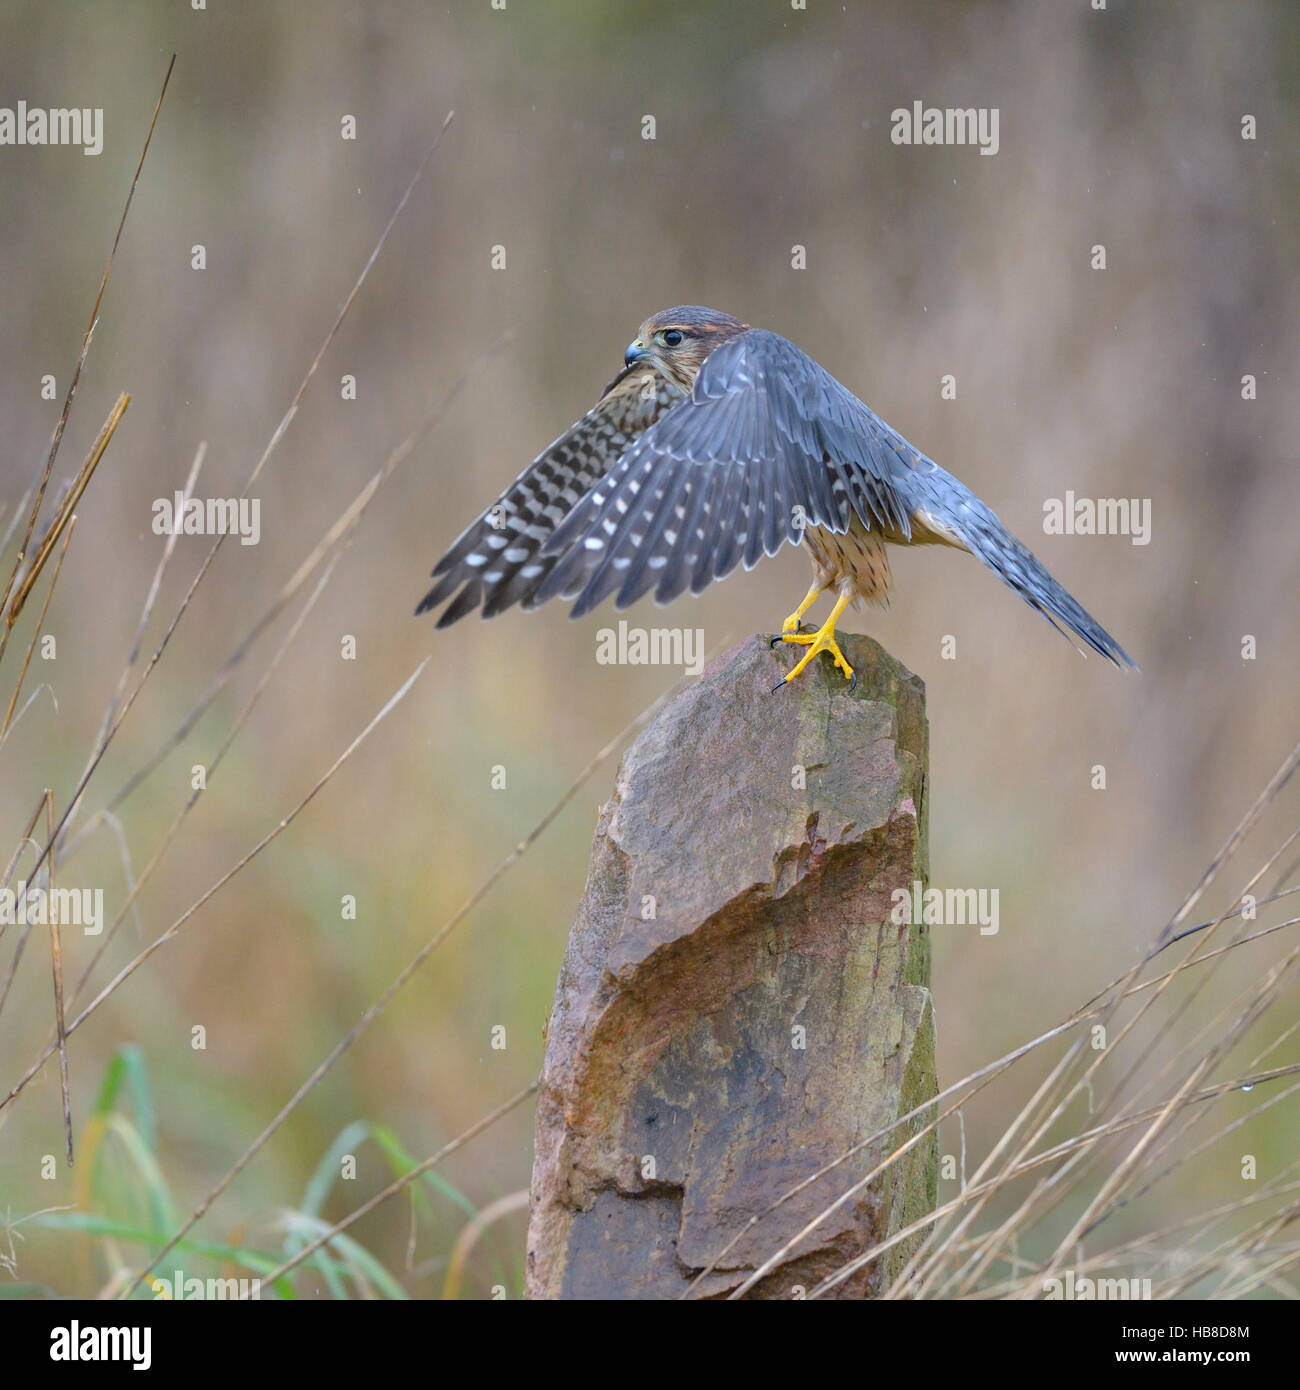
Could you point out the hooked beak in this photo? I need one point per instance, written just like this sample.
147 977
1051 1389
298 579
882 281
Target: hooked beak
635 353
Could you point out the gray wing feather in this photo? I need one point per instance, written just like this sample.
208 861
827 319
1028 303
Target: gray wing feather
497 560
718 479
657 489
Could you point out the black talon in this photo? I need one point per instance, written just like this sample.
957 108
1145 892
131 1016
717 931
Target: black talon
780 685
853 682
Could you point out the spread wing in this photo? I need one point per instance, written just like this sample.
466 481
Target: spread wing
767 443
497 560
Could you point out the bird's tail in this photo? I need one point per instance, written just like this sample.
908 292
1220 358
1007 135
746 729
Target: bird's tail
958 517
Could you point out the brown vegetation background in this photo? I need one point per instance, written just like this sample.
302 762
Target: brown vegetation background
1120 127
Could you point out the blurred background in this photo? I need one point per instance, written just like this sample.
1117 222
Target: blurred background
1119 128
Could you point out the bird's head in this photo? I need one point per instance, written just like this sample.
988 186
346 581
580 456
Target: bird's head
678 340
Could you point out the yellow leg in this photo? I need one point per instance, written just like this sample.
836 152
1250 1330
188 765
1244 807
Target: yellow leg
823 640
792 623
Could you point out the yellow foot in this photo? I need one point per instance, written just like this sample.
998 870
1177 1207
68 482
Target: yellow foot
791 630
823 640
794 625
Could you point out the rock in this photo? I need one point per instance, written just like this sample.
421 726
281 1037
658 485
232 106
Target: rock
736 1007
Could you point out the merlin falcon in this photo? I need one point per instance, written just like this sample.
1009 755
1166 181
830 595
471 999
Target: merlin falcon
715 445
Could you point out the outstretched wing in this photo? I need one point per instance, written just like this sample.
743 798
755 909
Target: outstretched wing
497 560
767 443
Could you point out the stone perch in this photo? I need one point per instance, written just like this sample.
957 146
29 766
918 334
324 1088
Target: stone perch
736 1006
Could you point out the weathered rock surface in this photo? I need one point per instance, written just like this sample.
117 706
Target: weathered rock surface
736 1007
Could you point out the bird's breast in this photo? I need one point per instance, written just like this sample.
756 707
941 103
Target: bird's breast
855 562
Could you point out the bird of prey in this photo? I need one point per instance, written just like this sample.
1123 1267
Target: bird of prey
715 445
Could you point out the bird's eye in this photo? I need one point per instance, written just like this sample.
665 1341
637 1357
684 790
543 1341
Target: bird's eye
672 337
